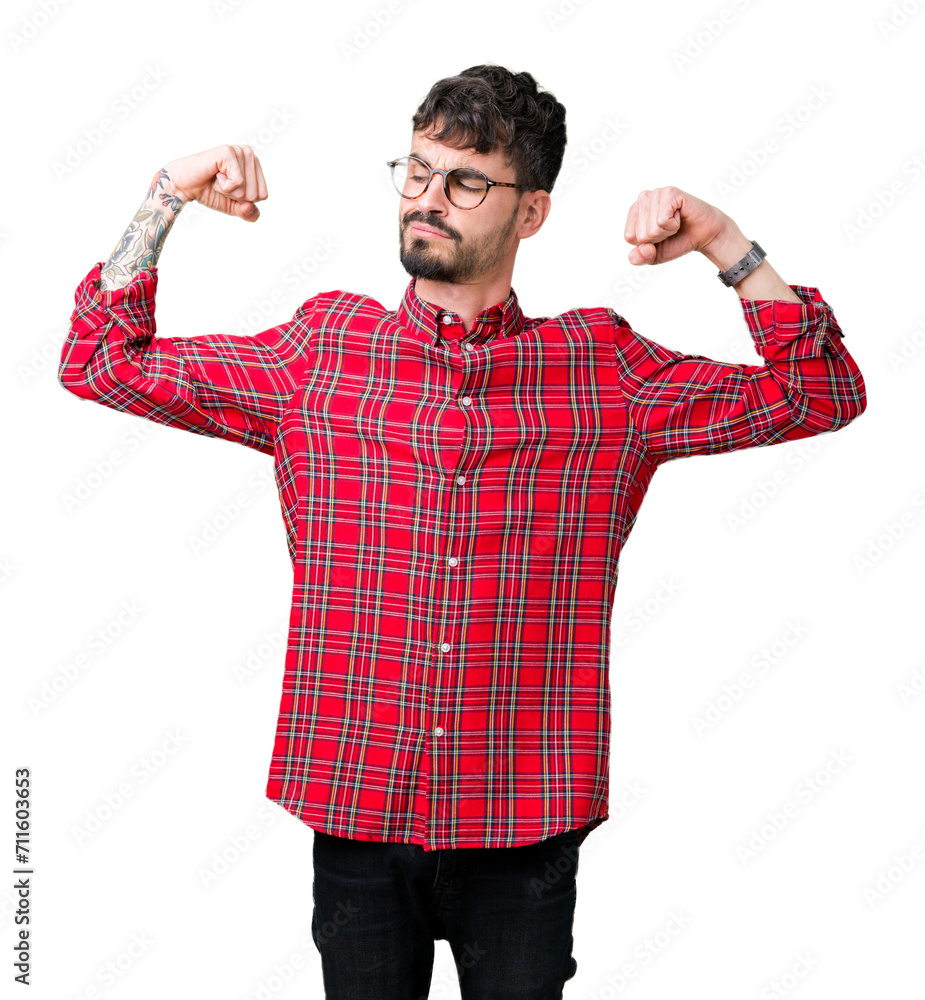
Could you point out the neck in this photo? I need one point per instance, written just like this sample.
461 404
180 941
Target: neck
466 300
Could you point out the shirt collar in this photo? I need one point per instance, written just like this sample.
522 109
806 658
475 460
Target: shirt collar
504 319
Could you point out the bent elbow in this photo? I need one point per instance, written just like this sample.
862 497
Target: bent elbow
73 378
852 403
824 416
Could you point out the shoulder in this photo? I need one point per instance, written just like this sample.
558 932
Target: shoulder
597 319
337 304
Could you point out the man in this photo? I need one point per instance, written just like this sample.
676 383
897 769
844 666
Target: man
457 481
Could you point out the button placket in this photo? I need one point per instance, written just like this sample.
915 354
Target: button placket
450 674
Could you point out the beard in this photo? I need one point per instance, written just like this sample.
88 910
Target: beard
461 261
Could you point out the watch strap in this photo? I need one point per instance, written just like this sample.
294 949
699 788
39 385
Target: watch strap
745 266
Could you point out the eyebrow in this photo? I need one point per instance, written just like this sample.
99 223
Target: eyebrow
421 156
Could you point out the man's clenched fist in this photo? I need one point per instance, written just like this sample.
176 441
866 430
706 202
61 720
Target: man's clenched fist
226 178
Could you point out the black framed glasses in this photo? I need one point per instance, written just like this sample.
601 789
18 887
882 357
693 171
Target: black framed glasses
464 187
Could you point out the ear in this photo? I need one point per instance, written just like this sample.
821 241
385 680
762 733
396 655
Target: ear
535 207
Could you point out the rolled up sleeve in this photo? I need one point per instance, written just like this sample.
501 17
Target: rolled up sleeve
220 385
686 404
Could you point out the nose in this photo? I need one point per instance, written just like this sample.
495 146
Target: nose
433 201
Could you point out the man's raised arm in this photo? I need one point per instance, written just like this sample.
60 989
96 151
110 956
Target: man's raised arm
218 385
228 179
687 404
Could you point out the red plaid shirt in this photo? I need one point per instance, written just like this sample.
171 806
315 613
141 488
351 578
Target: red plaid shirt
455 504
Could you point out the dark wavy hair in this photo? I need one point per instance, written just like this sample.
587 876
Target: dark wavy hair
487 108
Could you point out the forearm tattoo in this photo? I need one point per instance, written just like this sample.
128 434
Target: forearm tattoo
140 245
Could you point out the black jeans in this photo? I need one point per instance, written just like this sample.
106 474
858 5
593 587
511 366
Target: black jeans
507 913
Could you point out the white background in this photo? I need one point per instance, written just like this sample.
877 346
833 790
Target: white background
831 548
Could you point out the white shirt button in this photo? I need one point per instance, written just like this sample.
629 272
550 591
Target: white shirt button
447 318
438 731
468 347
467 400
453 560
460 480
445 647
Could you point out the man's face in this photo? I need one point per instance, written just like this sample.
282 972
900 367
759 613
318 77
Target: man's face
468 244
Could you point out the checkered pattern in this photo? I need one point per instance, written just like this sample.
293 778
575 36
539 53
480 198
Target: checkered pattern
455 506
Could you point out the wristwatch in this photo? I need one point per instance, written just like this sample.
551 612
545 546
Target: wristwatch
745 266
